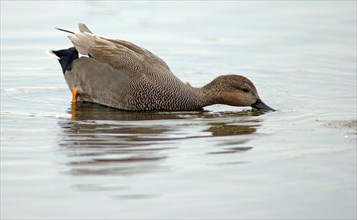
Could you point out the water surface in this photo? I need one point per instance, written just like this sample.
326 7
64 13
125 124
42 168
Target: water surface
93 162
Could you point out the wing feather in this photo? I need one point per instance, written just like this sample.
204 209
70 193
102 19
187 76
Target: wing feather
119 54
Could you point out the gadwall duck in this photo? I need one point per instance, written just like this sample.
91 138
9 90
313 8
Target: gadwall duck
122 75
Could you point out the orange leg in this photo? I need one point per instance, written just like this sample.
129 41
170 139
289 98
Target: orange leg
75 94
74 103
74 111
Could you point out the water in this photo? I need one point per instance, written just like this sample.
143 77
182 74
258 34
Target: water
224 162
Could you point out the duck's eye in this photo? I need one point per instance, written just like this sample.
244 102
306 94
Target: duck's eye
245 90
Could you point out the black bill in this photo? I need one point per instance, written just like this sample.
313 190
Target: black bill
260 105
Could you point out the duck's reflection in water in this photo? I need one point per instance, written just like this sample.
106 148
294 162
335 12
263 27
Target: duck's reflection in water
105 141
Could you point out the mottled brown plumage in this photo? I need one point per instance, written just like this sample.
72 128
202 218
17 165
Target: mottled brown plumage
122 75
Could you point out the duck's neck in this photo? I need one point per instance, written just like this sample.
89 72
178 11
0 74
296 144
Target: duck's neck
214 93
208 96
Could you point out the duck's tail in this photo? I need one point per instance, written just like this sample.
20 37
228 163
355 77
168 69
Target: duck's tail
82 28
82 40
65 57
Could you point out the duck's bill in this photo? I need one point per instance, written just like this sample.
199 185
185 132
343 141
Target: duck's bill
260 105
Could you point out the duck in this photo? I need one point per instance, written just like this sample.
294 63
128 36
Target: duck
122 75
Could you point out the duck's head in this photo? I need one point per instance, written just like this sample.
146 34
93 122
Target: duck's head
235 90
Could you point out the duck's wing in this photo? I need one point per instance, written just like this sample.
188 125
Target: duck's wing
146 54
119 57
119 54
123 58
83 28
